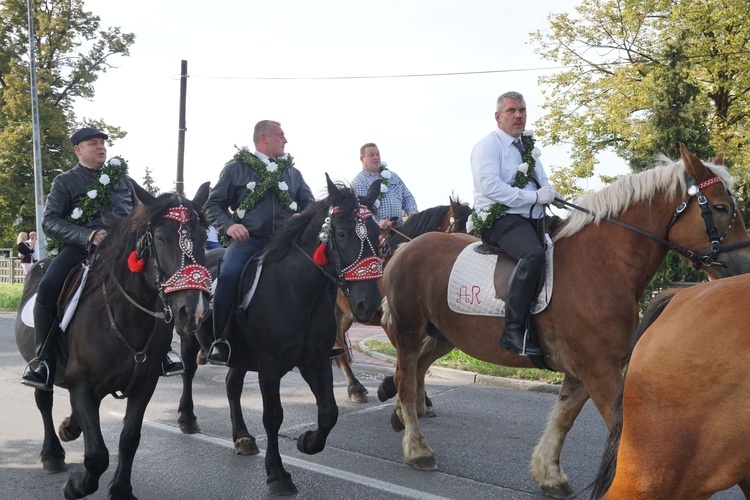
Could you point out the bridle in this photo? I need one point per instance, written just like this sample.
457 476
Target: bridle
363 268
190 276
707 258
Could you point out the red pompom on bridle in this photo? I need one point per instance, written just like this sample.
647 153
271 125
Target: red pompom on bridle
319 257
135 264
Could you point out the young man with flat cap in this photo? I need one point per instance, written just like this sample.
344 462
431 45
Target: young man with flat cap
68 189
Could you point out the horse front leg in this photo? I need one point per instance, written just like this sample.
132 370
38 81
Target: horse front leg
355 390
187 420
52 454
320 380
244 442
279 481
130 438
95 456
545 466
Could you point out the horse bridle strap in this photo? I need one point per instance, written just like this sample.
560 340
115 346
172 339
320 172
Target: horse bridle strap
166 315
138 356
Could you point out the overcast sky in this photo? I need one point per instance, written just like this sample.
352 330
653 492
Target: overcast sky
425 126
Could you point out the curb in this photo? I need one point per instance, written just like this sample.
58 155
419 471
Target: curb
452 374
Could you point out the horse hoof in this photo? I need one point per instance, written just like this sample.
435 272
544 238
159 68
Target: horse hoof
66 431
70 492
358 397
387 389
561 491
54 465
246 446
429 412
304 441
282 487
424 463
190 427
396 422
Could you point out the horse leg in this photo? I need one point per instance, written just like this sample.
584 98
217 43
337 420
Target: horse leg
432 349
355 390
52 454
745 487
320 380
130 438
187 420
545 461
95 456
279 481
244 442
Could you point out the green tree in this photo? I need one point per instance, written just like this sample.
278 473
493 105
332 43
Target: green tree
148 183
644 75
71 51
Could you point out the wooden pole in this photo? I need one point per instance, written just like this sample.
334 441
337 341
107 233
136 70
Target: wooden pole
180 182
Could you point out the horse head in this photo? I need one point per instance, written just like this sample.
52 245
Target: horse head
719 242
156 256
458 216
352 240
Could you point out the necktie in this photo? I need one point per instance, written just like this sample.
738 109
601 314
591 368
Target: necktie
272 160
519 145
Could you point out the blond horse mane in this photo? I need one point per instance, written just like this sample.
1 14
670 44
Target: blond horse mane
668 177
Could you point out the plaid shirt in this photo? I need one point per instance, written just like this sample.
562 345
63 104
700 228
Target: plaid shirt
394 203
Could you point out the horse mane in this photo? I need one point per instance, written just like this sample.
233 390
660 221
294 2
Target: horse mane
292 228
613 200
123 235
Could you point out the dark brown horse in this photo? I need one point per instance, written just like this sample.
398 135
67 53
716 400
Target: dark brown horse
122 330
450 218
683 424
600 271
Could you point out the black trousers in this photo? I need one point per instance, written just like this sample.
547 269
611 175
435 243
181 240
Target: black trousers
54 277
519 237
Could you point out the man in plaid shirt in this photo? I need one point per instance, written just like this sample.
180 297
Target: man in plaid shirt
395 198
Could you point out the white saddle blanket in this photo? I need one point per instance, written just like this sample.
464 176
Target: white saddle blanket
471 289
27 314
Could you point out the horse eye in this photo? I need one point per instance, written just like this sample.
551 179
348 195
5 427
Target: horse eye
341 233
721 208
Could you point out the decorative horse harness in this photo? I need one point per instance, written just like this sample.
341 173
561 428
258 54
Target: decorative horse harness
707 258
362 269
191 276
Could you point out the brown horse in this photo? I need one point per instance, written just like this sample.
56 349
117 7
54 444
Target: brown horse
450 218
600 271
682 429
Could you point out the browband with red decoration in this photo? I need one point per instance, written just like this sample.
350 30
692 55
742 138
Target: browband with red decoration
709 182
369 268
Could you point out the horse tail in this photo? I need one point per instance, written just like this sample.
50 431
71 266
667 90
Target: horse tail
655 308
608 467
385 317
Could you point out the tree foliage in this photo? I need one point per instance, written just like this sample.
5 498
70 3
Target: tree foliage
71 52
148 183
643 76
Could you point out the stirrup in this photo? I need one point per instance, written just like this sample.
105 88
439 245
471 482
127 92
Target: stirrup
211 350
36 384
170 373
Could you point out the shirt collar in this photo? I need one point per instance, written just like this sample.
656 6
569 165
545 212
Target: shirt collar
260 156
505 137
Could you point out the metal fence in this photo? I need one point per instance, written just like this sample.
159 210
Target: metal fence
11 270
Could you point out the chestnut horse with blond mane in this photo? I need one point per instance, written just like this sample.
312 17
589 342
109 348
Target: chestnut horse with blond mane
601 269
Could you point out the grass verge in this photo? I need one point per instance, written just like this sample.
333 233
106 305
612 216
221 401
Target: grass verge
10 296
460 361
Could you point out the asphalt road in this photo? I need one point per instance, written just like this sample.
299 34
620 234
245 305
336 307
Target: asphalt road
483 437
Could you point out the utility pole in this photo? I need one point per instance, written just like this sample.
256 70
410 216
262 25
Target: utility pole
180 181
38 178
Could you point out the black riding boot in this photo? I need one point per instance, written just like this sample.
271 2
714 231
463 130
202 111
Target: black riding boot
521 291
45 325
220 350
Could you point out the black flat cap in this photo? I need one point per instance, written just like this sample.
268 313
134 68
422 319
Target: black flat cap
81 135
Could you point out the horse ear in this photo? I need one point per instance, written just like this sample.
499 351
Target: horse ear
719 159
693 164
140 195
372 193
202 194
334 193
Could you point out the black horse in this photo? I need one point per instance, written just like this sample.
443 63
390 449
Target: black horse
290 320
444 218
122 331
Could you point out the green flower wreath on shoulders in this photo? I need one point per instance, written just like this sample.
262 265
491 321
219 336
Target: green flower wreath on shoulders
98 194
485 218
269 174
